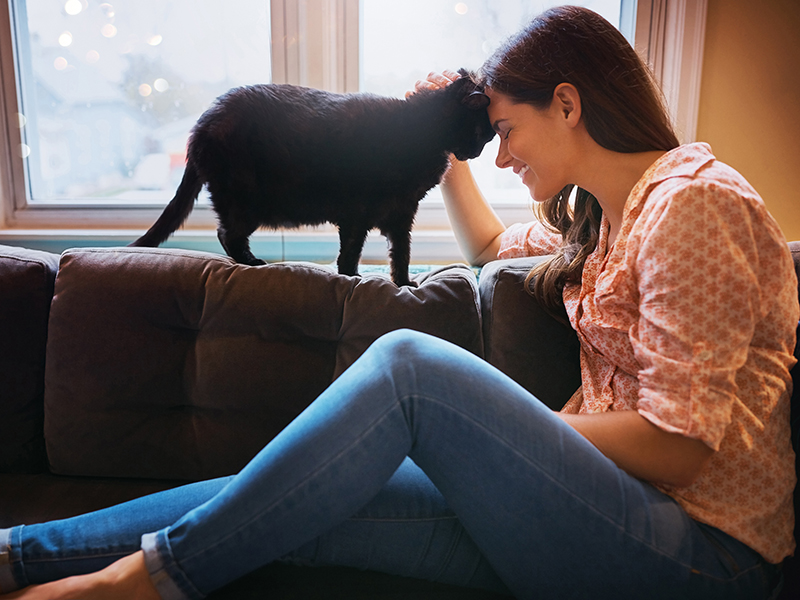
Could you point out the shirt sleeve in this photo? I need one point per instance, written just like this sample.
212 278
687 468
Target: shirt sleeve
528 239
699 301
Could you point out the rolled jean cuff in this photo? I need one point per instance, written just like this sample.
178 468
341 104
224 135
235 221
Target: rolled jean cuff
167 577
8 583
12 573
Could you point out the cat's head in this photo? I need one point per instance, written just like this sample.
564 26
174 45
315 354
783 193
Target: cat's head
472 126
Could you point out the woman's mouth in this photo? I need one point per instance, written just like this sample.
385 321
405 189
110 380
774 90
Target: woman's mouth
522 171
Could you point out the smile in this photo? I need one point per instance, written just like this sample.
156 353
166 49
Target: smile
522 171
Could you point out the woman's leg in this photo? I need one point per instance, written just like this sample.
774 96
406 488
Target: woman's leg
546 508
90 542
552 515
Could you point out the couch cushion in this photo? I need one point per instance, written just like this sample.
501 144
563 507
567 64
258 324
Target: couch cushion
521 339
26 288
177 364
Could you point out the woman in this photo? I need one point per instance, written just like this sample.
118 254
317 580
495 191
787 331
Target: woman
669 474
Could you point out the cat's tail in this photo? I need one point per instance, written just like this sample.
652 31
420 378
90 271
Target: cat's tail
176 212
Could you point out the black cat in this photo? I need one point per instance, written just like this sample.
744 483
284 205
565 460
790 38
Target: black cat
284 156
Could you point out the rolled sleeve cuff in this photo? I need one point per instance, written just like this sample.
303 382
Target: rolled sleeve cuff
686 397
528 239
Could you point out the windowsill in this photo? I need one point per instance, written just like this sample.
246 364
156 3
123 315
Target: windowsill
429 246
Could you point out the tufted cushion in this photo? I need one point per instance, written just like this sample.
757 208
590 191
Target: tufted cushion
177 364
27 288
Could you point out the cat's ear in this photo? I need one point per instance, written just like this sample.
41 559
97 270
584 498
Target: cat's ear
471 94
477 100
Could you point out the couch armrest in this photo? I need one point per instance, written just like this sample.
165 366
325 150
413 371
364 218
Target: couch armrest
521 339
26 290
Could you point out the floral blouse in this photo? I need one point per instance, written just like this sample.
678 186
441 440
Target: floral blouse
690 319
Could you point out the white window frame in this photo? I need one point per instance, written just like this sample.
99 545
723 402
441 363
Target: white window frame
315 43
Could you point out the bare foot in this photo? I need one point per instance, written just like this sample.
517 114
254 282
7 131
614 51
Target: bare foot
125 579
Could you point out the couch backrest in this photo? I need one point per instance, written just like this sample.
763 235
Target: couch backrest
521 339
183 365
551 371
26 288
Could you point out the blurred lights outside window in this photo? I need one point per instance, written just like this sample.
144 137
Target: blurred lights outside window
110 90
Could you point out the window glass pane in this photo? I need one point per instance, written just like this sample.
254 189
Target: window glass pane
404 41
110 90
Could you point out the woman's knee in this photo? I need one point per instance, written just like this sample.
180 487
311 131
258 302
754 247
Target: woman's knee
409 353
404 347
402 342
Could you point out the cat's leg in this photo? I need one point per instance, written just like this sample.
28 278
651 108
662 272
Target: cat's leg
235 239
236 221
398 234
237 246
351 242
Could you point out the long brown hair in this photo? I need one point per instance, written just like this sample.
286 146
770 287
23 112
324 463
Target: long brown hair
622 109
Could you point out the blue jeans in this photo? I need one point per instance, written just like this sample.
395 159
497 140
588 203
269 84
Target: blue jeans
420 460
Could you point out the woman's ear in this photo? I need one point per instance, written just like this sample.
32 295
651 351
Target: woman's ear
568 103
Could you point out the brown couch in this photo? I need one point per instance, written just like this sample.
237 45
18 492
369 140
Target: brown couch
127 371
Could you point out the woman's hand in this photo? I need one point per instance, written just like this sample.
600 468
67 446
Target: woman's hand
434 81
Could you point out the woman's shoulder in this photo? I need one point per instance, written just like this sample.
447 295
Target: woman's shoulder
692 168
696 201
691 182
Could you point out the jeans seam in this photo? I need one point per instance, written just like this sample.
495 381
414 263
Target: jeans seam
738 574
450 552
555 481
16 561
36 560
722 551
403 520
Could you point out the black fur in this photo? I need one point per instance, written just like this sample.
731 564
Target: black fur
284 156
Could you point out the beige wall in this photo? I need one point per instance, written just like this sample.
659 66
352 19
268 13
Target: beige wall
750 98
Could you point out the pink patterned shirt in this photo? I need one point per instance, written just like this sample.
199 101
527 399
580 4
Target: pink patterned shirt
690 319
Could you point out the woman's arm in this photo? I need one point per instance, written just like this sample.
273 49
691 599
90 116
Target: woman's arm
642 449
476 226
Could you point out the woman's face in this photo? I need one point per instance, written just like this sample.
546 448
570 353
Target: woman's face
533 142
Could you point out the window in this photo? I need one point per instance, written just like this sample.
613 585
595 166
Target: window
98 98
110 91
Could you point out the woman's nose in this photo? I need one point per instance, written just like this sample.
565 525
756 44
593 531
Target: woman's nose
503 160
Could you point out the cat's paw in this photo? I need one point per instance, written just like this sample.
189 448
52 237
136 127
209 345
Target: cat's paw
407 283
250 261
